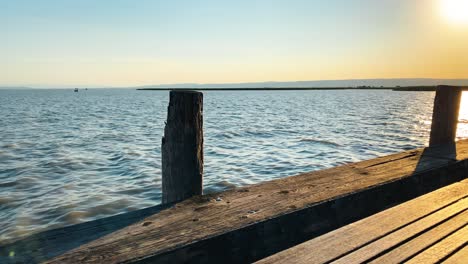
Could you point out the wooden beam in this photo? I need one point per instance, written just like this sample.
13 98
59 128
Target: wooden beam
51 243
445 115
182 147
455 226
415 222
444 249
247 224
458 257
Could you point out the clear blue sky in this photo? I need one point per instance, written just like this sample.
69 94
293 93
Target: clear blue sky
122 42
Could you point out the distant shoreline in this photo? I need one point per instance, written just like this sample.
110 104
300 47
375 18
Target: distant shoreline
407 88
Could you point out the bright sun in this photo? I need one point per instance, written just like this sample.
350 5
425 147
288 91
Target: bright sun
455 10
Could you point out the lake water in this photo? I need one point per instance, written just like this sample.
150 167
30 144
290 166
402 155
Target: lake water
70 157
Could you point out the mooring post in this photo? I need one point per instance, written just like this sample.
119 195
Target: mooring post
445 115
182 147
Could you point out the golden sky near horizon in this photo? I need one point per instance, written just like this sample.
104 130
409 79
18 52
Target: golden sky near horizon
85 43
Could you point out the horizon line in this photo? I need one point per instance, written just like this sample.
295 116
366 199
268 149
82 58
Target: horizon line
228 83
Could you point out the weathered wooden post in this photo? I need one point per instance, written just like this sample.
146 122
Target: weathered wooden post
182 147
445 115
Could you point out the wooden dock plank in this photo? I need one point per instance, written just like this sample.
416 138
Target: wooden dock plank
458 257
395 238
424 240
276 214
442 249
45 245
398 220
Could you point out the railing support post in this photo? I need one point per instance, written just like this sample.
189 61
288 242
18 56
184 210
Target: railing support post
445 115
182 147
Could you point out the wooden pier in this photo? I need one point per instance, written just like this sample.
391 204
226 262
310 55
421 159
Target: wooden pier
429 229
286 215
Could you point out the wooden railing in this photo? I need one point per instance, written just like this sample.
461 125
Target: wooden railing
246 224
182 144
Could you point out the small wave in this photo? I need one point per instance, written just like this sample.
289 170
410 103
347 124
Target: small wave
228 135
219 186
258 133
225 184
108 208
73 217
10 146
133 191
6 200
8 184
325 142
116 157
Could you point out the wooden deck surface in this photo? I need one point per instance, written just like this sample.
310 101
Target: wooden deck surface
429 229
250 223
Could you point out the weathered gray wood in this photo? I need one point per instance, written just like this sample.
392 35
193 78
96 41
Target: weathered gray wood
445 115
250 223
48 244
182 147
394 222
442 249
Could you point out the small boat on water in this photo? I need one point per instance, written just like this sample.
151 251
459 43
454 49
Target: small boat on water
76 90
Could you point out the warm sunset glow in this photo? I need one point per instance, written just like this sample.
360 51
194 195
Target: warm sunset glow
86 43
455 10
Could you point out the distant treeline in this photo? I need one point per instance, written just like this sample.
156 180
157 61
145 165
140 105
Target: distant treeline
416 88
398 88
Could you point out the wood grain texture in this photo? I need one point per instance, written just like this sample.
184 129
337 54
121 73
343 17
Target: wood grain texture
387 227
182 147
445 115
250 223
444 248
458 257
48 244
408 249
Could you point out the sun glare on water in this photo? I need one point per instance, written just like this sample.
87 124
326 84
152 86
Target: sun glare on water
455 11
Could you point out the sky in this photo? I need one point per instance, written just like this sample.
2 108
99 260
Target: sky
58 43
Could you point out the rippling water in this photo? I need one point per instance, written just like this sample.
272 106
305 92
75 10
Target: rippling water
71 157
